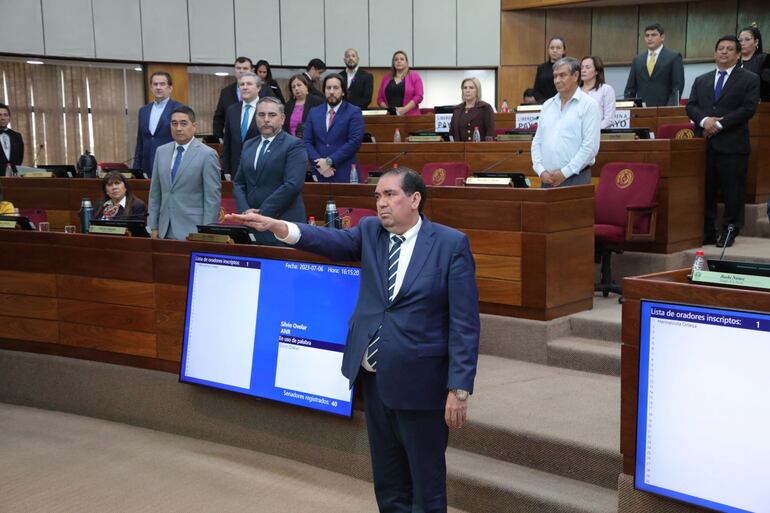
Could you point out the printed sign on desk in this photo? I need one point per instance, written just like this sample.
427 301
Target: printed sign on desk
525 120
442 123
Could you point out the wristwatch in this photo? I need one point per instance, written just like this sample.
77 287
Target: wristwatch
329 161
460 394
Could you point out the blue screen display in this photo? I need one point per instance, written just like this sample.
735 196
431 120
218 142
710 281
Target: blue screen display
273 329
703 413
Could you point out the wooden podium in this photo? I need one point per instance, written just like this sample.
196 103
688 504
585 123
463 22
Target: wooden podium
672 287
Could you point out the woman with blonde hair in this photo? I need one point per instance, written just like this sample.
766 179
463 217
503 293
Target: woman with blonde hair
472 113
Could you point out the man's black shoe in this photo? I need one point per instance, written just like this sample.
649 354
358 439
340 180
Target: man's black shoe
724 241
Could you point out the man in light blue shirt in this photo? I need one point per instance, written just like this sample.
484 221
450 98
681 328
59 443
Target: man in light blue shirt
568 131
154 127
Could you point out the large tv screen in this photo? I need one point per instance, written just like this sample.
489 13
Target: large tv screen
703 432
273 329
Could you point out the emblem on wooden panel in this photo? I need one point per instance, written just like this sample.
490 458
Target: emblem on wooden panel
685 133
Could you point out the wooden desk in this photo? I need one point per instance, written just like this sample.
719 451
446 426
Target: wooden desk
533 247
673 287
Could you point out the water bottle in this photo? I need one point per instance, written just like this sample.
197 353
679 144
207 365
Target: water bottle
476 134
311 220
699 264
86 212
353 174
397 136
504 107
330 217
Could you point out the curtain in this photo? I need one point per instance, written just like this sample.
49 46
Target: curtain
203 97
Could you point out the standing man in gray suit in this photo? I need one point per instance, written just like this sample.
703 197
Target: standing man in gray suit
272 168
657 75
186 189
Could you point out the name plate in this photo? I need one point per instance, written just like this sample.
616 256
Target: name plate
618 137
424 138
210 237
38 174
8 225
732 279
442 123
108 230
488 181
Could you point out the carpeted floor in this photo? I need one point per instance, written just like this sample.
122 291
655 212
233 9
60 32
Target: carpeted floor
57 462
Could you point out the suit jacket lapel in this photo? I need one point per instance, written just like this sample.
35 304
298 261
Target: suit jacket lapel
425 240
728 82
268 153
383 245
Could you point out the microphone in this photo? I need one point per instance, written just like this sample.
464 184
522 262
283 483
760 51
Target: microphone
506 159
380 168
345 211
730 229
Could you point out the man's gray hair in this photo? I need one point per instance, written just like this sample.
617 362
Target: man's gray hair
573 63
253 75
271 99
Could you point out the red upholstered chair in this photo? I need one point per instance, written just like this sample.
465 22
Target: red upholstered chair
226 206
444 173
35 215
675 131
109 166
350 217
625 211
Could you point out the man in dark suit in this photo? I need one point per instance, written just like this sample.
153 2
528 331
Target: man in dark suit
313 71
11 143
333 133
657 75
229 95
272 168
360 82
240 122
721 103
415 332
154 128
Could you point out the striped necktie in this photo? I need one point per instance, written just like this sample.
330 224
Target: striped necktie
394 253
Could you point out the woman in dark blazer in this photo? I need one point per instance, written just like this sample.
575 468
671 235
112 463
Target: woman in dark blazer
266 74
297 108
119 200
544 88
471 113
754 59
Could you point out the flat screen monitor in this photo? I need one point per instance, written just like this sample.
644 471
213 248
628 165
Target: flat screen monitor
703 409
274 329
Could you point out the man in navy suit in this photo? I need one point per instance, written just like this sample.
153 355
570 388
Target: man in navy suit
360 82
657 75
154 122
11 143
240 122
272 168
229 95
333 133
413 338
721 104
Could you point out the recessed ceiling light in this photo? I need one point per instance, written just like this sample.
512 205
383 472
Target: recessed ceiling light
35 62
221 74
138 69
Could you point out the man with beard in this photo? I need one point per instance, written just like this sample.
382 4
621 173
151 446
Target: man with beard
333 133
360 82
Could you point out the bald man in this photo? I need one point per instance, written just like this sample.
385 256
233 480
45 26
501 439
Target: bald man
360 82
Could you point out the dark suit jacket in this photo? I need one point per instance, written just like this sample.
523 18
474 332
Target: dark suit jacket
17 150
232 143
664 87
760 64
543 86
275 187
429 338
736 105
138 211
310 102
313 90
481 115
146 142
275 90
229 96
361 88
340 143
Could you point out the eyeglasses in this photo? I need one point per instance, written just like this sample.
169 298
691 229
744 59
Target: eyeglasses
746 39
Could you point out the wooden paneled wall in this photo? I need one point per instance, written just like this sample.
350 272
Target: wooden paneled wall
613 33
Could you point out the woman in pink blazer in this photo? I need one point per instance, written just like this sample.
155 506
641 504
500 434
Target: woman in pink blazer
401 89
